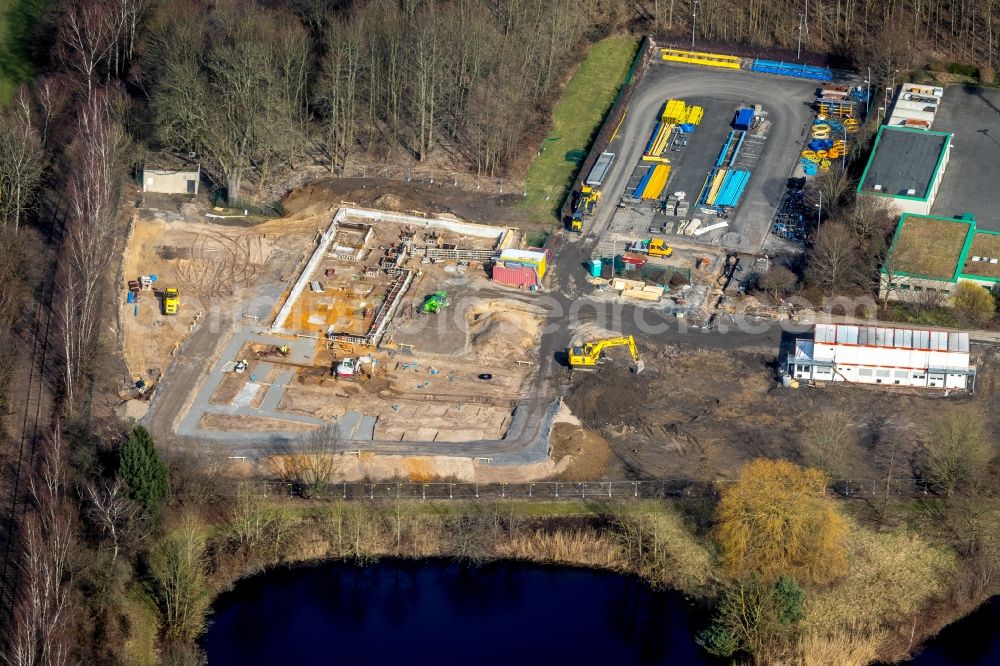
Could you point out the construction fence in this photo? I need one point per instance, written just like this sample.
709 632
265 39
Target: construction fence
565 490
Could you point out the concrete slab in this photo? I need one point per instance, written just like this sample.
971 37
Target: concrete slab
246 394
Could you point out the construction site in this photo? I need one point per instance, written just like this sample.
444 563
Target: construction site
386 325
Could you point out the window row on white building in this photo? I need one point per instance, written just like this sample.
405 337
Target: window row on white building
884 355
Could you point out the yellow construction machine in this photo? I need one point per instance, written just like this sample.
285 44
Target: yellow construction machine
591 354
586 202
171 301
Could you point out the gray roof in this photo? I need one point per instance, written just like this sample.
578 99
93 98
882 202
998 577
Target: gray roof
904 160
898 338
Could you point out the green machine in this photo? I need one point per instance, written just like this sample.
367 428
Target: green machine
435 302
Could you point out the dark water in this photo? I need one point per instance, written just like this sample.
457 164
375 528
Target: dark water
972 641
439 612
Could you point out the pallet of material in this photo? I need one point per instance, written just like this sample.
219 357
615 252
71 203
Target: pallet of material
701 58
656 183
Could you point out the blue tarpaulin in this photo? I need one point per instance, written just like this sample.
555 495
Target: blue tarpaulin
792 69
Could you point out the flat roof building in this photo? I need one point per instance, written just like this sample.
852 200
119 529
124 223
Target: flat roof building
906 167
171 181
884 355
916 106
932 255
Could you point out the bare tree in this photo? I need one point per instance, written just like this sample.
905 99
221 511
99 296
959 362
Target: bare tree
777 280
125 18
958 449
38 633
827 441
833 258
312 461
52 93
338 90
85 40
178 569
258 529
98 158
22 160
112 510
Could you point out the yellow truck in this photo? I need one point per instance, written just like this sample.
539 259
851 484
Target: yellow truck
659 248
171 300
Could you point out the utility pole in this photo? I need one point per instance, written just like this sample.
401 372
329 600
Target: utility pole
694 20
798 55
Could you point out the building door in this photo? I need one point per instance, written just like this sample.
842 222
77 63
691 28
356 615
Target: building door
191 186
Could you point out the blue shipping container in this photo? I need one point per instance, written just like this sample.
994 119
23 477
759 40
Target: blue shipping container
744 118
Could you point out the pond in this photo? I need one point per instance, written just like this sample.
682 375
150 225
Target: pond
972 641
412 612
416 611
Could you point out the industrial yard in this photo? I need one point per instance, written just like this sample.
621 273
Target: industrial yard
756 151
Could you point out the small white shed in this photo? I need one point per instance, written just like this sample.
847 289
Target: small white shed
171 181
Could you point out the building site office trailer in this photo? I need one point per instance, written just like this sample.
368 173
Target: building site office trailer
881 355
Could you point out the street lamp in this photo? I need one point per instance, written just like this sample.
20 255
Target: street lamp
819 216
868 93
881 110
694 20
844 153
798 55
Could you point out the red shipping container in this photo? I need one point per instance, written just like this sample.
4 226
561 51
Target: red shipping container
522 277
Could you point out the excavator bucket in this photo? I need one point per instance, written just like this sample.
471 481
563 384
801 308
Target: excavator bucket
639 366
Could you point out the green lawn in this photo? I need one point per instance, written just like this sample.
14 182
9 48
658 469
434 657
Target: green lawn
17 17
575 120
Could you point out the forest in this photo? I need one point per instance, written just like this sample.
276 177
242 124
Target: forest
94 526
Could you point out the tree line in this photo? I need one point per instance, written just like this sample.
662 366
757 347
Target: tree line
256 87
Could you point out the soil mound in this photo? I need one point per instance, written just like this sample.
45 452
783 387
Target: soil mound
611 395
389 202
502 329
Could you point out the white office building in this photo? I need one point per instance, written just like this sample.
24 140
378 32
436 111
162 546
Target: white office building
882 355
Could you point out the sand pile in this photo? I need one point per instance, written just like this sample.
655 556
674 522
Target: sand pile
503 329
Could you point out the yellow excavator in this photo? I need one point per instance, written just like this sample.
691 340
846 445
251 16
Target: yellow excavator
591 354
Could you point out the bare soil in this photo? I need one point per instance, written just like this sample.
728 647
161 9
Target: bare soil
402 196
587 454
700 414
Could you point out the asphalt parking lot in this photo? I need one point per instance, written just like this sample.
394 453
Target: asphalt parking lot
972 114
787 103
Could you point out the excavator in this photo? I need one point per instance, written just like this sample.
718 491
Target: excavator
591 354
